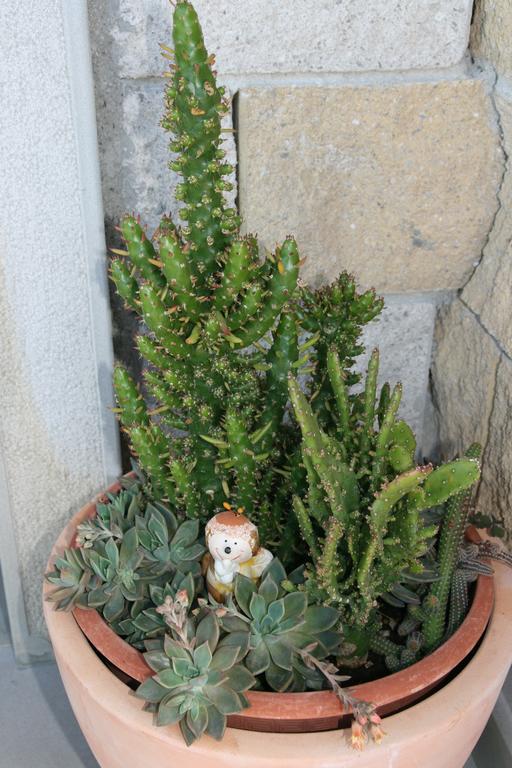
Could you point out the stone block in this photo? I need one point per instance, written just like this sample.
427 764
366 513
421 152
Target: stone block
495 492
403 334
261 36
464 369
396 183
489 291
491 33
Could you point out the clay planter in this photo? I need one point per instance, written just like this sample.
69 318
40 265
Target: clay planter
440 730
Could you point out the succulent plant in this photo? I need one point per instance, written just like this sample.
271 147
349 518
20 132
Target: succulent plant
198 678
227 334
362 517
335 315
115 513
127 574
146 618
280 623
71 576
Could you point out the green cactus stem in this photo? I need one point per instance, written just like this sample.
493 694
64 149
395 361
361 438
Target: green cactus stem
337 379
385 394
383 438
150 446
154 315
126 284
131 403
306 527
451 535
236 274
176 268
141 251
251 300
280 289
459 602
281 357
379 515
243 457
370 391
194 107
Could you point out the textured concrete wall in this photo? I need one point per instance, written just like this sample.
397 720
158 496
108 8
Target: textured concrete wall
362 127
472 372
58 442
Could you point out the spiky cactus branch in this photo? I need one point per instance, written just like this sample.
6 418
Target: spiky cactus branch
194 107
361 519
450 539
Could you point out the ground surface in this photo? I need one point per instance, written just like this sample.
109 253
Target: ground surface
37 726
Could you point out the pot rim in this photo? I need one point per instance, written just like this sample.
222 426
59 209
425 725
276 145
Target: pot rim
286 711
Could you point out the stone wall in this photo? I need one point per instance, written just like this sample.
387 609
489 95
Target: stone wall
363 127
472 369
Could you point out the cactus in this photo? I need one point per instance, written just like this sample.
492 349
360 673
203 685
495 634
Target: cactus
451 535
362 518
223 324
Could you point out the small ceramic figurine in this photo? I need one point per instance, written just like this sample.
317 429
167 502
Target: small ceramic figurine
234 547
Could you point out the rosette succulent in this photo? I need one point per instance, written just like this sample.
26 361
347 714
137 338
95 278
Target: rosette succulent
132 554
279 624
198 678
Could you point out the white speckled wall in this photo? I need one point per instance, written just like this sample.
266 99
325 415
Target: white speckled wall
58 436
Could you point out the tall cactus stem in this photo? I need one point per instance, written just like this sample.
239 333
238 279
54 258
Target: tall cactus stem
339 387
306 527
384 436
451 535
370 392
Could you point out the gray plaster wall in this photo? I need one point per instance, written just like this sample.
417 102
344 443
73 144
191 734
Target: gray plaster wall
58 438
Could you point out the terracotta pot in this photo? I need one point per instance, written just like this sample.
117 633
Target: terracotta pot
441 730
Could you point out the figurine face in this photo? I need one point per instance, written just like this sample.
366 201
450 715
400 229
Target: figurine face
227 546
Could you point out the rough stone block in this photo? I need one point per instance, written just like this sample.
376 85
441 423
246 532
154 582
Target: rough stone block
396 183
463 379
489 292
403 334
495 492
491 33
260 36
